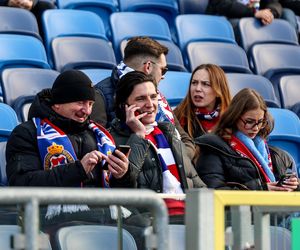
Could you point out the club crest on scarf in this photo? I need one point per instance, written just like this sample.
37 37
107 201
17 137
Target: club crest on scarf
56 155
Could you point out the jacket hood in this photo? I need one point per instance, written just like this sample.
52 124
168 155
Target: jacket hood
41 107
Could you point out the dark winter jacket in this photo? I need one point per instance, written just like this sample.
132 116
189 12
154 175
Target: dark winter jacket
220 167
108 89
235 9
24 166
145 170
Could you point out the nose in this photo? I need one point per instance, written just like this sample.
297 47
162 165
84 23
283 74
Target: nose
87 108
149 102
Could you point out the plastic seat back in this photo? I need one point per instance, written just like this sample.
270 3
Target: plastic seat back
252 31
8 117
230 57
82 52
67 22
22 51
261 84
129 24
289 90
103 8
93 237
18 82
97 75
286 122
175 86
192 6
18 21
197 27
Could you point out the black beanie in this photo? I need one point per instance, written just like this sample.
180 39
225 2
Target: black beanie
72 86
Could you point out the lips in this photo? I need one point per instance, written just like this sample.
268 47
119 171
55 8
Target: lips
198 98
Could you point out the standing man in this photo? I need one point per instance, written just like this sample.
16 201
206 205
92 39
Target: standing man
146 55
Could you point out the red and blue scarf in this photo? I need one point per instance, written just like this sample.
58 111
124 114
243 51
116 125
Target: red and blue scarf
56 149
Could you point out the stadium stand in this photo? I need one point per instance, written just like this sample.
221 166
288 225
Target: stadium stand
252 32
261 84
93 237
128 24
230 57
97 75
175 86
103 8
82 52
289 91
67 22
25 24
192 6
194 28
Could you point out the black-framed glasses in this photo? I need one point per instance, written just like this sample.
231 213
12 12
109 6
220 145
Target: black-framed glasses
250 124
164 70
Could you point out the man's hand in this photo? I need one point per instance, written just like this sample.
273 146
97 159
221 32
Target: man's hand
117 165
265 15
24 4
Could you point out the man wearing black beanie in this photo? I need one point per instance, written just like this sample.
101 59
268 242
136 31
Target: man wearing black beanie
59 146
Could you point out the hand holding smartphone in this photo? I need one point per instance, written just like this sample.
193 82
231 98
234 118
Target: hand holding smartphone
283 178
123 148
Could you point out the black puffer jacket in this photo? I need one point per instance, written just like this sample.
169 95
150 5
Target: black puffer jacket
24 166
235 9
144 169
220 167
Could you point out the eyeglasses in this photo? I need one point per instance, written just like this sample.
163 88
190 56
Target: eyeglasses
250 124
164 70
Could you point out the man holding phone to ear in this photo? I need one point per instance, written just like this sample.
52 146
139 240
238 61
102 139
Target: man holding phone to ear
146 55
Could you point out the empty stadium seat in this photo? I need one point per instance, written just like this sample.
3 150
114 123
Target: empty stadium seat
174 57
20 50
103 8
93 237
286 122
175 86
261 84
168 9
8 118
289 87
230 57
18 21
193 28
275 60
192 6
22 105
67 22
82 52
252 31
129 24
97 75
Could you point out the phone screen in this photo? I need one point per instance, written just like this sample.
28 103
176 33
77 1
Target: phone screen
123 148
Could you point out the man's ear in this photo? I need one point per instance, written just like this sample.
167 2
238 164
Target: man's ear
147 68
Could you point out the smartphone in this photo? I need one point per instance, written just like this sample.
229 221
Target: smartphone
283 178
123 148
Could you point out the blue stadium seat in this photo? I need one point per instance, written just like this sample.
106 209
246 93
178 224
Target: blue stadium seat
20 50
168 9
3 177
261 84
286 122
97 75
175 86
103 8
18 21
252 32
230 57
22 105
82 52
289 90
192 6
174 57
67 22
93 237
193 28
8 119
129 24
17 82
275 60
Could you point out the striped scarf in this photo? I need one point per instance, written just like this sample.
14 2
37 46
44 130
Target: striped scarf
56 149
171 179
207 119
165 113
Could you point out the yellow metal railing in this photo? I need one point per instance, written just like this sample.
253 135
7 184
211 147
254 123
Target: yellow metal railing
251 198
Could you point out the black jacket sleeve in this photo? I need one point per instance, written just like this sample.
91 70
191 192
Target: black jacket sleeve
24 166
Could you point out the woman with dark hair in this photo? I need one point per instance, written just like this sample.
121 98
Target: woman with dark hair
208 98
237 156
158 159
